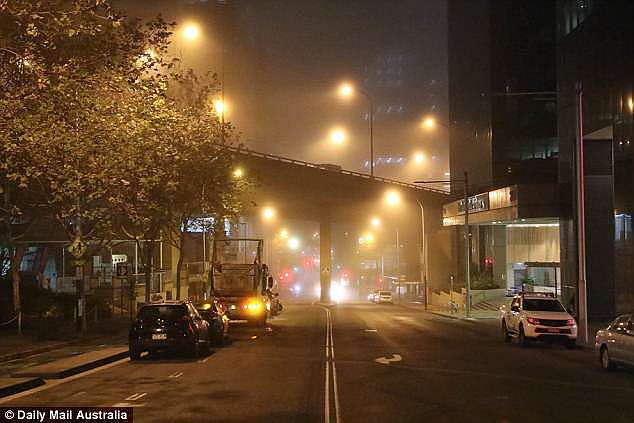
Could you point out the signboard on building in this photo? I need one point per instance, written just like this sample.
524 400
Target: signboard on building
476 203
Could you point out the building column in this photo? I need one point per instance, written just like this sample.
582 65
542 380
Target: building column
325 257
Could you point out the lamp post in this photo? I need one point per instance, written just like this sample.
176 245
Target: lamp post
346 91
467 235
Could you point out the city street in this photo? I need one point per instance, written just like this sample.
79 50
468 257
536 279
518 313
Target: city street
391 363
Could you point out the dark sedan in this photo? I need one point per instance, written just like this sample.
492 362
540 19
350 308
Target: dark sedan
168 325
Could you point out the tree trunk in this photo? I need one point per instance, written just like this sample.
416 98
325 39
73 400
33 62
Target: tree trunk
150 246
16 260
41 266
179 264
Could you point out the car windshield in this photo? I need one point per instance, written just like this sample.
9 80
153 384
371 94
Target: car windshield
385 293
165 312
534 304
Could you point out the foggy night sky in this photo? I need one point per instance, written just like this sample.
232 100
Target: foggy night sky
283 61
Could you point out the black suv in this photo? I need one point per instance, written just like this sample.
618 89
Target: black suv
168 325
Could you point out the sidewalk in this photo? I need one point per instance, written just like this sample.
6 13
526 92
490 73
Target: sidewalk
32 342
445 312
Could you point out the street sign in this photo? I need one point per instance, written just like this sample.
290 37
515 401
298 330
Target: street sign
78 248
122 270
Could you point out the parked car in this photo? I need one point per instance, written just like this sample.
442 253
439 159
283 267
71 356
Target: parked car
615 344
168 325
214 313
535 316
383 297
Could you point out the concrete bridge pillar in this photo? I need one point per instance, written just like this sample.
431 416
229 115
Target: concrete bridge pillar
325 257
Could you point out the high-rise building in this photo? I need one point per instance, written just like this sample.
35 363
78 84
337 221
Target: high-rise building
596 70
503 135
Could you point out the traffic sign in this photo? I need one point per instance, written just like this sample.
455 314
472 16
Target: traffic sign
122 270
78 248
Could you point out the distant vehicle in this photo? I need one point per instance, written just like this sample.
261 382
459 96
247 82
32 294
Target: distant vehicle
615 344
383 297
214 313
372 296
240 280
168 325
534 316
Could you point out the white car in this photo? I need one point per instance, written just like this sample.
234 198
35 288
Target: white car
615 344
534 316
383 297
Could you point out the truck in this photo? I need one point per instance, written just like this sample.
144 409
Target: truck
240 280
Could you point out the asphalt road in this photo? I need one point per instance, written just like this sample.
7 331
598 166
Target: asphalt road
311 364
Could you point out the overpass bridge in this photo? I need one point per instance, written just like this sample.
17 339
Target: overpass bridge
322 193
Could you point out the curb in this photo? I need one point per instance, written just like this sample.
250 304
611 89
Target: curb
21 385
47 348
34 351
61 374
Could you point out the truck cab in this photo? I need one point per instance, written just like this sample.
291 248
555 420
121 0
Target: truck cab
239 279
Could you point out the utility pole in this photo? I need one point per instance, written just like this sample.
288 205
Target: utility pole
467 245
581 220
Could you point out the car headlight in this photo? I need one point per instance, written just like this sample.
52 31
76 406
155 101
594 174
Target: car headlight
253 305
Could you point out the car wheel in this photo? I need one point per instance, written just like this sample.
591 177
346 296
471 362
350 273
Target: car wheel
135 354
194 349
524 341
606 363
505 332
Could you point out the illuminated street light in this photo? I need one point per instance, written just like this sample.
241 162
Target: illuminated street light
376 222
346 90
238 173
337 136
419 158
283 233
630 103
429 123
369 237
293 243
219 107
191 32
392 198
268 213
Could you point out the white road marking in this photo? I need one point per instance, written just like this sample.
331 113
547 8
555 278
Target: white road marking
136 396
176 375
386 360
370 330
330 367
55 382
128 404
204 360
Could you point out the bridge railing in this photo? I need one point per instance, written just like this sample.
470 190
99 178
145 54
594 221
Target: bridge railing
328 168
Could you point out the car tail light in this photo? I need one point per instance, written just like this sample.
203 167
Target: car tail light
187 325
571 322
532 320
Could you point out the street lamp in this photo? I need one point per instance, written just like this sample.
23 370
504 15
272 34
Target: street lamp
376 222
238 173
346 90
392 198
191 31
268 213
337 136
419 158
